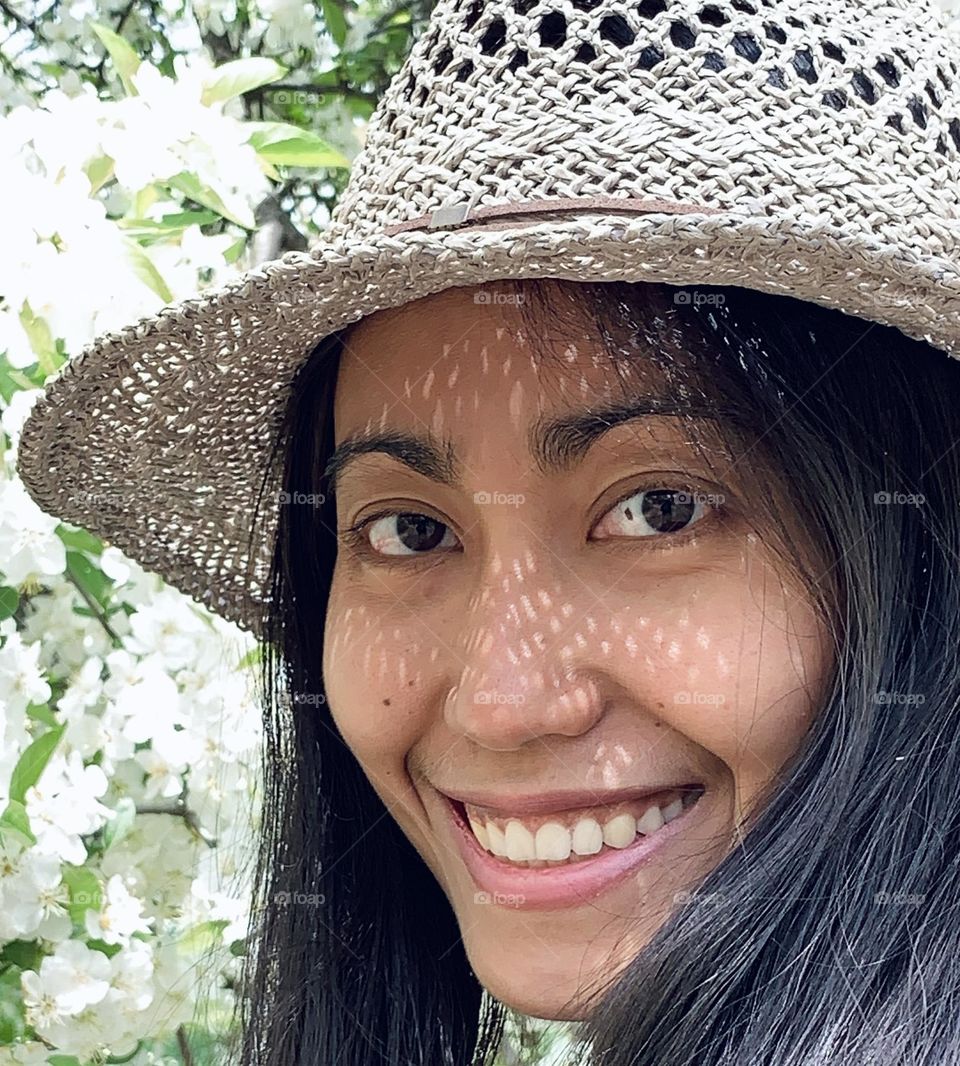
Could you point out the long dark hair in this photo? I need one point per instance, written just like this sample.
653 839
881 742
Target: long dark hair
829 933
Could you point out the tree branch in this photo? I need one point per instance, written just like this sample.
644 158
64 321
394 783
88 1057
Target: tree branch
184 1045
179 809
24 24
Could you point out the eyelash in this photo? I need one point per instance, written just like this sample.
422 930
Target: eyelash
354 537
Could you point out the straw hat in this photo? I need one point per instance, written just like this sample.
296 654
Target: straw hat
806 147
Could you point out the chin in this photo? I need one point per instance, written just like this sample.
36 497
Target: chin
547 980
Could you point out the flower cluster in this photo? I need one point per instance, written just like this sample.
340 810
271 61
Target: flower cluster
130 732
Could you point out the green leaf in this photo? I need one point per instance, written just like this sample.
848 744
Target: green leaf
202 936
90 579
125 59
99 171
63 1060
31 763
233 253
287 145
307 150
252 658
14 820
172 225
40 712
106 949
11 380
358 106
41 339
12 1022
145 269
121 824
270 170
26 954
144 200
79 539
335 21
9 601
190 185
85 891
115 1059
240 76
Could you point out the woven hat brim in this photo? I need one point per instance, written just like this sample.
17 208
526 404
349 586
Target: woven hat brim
155 438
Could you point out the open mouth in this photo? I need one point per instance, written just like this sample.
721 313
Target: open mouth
569 838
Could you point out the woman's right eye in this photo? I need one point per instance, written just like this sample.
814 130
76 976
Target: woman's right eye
407 533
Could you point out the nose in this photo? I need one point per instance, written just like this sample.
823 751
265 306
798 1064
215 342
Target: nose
525 670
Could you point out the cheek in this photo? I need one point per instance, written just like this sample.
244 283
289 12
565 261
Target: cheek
374 667
741 670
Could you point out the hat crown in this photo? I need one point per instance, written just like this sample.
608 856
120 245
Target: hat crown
845 110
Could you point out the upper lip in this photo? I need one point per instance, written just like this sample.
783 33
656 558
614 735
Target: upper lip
508 803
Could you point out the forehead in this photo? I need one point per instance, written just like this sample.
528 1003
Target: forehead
483 351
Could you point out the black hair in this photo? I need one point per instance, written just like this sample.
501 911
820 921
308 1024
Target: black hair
828 933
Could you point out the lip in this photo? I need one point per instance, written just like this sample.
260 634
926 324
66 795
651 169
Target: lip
554 888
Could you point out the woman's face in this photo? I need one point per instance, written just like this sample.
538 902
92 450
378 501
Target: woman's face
534 630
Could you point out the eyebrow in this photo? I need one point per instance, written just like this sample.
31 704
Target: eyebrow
555 444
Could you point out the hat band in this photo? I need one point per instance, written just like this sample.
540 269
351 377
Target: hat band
454 216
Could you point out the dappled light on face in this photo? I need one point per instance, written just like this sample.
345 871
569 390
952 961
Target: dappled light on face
547 582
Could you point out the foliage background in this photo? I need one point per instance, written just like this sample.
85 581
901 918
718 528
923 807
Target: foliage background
149 148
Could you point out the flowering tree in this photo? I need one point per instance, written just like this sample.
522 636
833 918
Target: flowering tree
139 166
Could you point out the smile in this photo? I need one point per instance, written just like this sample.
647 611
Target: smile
561 858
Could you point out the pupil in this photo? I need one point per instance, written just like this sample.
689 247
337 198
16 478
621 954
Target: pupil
664 512
419 532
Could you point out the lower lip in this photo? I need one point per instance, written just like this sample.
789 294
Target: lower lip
554 887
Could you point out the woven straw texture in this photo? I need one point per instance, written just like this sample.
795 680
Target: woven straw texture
793 147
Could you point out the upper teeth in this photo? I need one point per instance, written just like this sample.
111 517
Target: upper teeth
553 840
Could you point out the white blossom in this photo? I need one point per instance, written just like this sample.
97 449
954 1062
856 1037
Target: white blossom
119 918
154 702
63 807
29 546
32 896
74 977
21 680
167 627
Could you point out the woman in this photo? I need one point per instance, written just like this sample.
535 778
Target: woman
744 593
609 618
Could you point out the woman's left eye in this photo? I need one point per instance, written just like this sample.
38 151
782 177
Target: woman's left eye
408 533
653 511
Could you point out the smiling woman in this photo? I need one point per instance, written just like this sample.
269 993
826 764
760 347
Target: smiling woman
565 664
592 483
603 609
